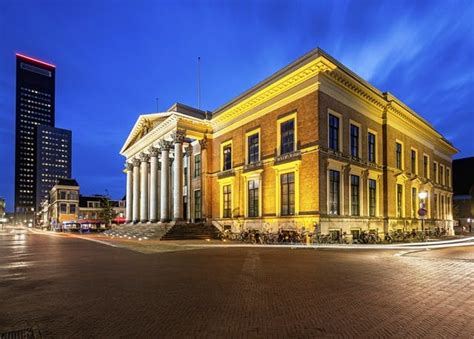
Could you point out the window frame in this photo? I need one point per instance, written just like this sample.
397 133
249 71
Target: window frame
355 197
372 132
247 145
197 169
414 170
331 194
223 146
256 198
291 207
400 200
359 138
197 211
282 120
339 132
369 191
426 174
228 194
402 164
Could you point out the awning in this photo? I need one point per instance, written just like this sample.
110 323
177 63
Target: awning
119 220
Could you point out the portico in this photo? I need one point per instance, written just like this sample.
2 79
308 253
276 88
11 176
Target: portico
155 154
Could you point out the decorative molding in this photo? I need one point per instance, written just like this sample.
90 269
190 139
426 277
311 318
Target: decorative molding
165 145
300 75
128 166
144 157
253 166
226 174
288 157
203 143
153 151
136 162
178 136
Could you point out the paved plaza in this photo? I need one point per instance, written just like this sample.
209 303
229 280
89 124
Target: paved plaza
69 287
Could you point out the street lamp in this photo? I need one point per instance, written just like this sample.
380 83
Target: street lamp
422 211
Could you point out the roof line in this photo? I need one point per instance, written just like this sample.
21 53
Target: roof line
34 60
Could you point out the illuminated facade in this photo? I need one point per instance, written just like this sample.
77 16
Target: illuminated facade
313 145
53 159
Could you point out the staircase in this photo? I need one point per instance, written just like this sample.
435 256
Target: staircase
138 231
200 231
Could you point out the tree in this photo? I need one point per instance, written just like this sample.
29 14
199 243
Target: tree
107 212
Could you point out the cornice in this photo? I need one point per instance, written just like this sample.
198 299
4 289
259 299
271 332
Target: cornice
289 81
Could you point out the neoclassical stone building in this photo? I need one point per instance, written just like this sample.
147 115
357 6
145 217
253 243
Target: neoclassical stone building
313 145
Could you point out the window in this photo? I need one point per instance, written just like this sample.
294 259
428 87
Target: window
62 195
63 208
354 141
185 173
372 197
72 209
425 166
334 190
253 198
227 211
399 155
435 171
197 165
442 207
253 152
333 132
441 173
399 200
371 142
436 206
287 130
287 183
355 195
413 202
448 177
413 161
197 205
227 153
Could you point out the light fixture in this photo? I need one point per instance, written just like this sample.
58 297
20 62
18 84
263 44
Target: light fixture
422 195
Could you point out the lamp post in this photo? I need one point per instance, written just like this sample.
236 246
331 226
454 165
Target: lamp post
422 211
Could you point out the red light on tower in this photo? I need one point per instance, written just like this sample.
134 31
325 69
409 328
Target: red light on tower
35 60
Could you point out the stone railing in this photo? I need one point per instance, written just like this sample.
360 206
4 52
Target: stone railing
288 157
226 174
253 166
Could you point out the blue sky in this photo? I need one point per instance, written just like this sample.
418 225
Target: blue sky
114 58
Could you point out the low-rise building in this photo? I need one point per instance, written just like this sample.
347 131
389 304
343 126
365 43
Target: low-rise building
63 207
67 209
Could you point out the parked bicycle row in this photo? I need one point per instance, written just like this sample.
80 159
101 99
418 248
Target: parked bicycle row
255 236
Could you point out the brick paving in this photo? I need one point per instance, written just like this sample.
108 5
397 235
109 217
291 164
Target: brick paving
69 287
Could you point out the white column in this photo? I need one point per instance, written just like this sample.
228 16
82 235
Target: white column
153 184
136 190
129 198
144 187
204 192
165 168
189 151
178 138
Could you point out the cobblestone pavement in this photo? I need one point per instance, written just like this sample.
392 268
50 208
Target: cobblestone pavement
67 287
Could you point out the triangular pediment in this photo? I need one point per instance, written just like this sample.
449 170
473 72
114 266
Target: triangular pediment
144 125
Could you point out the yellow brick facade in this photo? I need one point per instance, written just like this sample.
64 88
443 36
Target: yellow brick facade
306 92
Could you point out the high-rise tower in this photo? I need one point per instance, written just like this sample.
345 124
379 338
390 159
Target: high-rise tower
35 94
